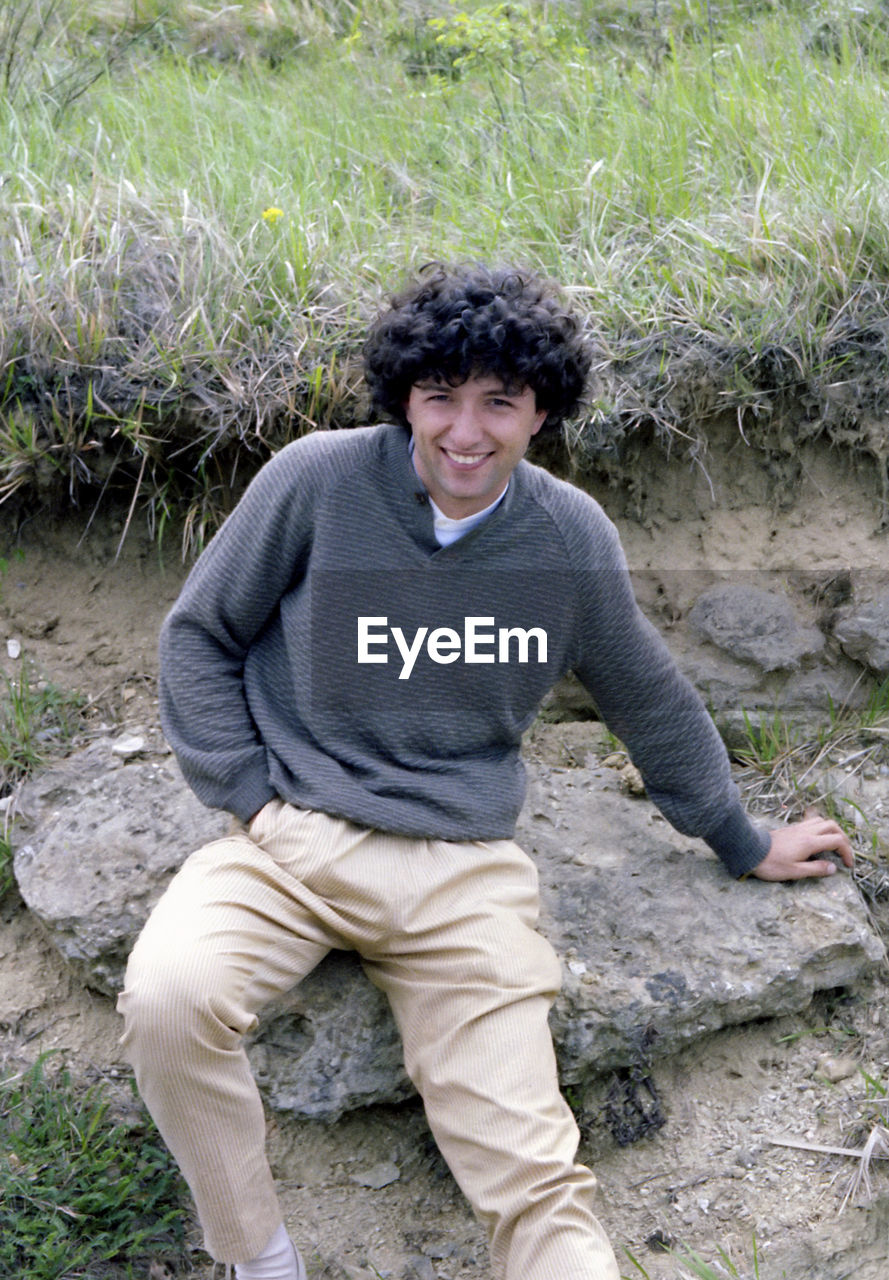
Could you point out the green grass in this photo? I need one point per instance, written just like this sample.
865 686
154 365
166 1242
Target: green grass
768 742
705 177
79 1191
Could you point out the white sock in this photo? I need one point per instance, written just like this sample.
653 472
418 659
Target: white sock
279 1260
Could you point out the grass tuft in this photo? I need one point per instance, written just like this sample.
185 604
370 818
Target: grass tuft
79 1191
35 718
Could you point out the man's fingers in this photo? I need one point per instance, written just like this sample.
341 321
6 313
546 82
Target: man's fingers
838 842
828 835
796 851
815 867
795 869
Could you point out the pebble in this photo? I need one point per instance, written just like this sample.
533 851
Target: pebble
421 1268
128 746
632 780
13 648
836 1069
379 1176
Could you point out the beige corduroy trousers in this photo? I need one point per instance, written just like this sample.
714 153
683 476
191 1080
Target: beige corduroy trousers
447 931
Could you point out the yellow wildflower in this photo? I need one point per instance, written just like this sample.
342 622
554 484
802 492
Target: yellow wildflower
272 215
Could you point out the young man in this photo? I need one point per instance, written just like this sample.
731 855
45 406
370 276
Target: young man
348 671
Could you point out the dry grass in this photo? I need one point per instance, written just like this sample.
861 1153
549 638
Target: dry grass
784 772
124 366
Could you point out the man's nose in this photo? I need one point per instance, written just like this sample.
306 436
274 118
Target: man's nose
465 422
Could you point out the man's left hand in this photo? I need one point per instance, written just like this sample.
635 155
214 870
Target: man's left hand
793 853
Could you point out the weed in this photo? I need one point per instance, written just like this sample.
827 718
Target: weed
34 718
839 1033
876 713
695 1266
785 771
768 742
7 879
77 1189
698 1267
875 1103
508 37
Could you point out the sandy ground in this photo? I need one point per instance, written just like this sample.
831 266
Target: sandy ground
369 1196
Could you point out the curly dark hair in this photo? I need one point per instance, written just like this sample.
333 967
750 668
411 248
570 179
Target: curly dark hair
453 323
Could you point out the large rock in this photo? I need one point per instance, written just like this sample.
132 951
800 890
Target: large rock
863 632
659 945
107 837
756 626
760 646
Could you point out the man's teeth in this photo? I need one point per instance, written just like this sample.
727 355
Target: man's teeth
464 457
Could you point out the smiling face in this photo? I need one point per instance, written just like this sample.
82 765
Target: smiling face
468 439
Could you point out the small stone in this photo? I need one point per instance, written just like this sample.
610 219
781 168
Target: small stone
420 1268
13 648
128 746
836 1069
632 780
440 1251
381 1175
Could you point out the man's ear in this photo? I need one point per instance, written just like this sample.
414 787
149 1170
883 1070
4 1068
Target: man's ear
541 417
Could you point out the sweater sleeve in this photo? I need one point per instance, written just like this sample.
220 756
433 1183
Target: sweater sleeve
228 599
656 712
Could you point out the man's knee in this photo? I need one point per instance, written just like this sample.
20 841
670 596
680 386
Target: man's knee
174 1000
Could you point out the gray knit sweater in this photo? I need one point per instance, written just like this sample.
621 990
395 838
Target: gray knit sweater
326 650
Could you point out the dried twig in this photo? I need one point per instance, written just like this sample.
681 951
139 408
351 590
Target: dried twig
857 1152
876 1148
